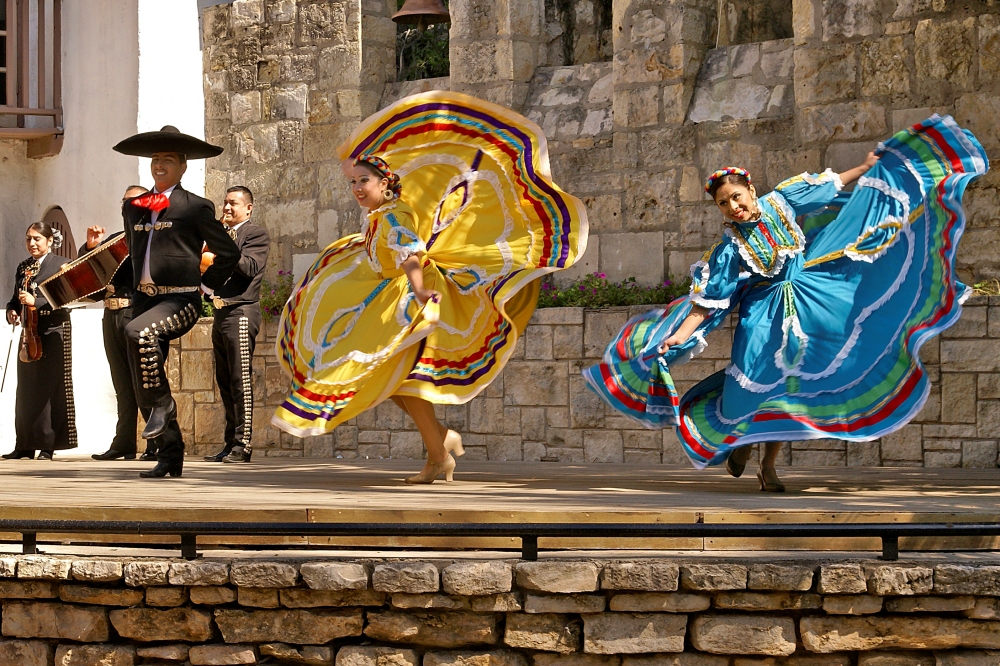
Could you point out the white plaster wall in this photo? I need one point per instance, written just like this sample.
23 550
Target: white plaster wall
128 66
17 186
100 73
170 77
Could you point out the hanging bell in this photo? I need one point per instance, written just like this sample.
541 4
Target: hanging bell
422 13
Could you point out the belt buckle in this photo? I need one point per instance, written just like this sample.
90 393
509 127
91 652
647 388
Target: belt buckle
218 303
148 289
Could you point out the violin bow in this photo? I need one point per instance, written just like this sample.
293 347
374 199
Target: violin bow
10 345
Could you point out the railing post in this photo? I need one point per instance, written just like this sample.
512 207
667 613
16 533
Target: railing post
29 543
529 548
189 546
890 548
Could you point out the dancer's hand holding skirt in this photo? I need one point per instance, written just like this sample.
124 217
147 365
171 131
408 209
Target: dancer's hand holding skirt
833 295
481 213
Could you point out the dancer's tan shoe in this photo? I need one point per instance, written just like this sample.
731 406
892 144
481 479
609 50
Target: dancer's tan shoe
453 444
432 471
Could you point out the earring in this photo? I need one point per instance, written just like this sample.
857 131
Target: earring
388 195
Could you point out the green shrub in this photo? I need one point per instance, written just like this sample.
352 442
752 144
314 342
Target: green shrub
422 55
207 309
596 291
274 295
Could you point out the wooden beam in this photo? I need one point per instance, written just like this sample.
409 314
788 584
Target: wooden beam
44 146
16 110
27 132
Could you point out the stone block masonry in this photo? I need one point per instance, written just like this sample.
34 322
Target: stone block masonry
541 408
587 613
287 80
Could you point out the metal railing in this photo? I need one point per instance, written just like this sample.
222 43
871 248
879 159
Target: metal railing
31 70
529 533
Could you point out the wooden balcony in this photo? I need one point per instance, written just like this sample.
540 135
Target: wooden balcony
31 74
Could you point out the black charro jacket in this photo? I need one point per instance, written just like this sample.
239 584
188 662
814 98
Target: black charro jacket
243 286
48 319
175 256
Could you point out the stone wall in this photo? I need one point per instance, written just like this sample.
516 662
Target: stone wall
541 409
287 80
120 612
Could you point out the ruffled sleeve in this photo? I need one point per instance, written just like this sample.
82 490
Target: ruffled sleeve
397 241
715 278
807 192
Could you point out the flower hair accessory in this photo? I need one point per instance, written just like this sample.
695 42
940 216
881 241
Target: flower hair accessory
380 165
728 171
57 239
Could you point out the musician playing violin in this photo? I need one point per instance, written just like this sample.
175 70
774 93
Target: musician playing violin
44 415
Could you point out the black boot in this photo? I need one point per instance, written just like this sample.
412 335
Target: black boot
237 455
220 456
15 454
159 419
164 467
45 455
111 454
148 455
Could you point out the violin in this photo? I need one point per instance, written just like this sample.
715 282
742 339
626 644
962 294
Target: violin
31 343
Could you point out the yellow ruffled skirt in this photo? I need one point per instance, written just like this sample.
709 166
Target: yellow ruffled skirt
493 223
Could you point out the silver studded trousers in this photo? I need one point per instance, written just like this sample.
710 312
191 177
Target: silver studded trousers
156 320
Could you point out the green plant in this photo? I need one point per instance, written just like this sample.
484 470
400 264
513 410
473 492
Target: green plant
274 295
207 309
596 291
987 288
421 54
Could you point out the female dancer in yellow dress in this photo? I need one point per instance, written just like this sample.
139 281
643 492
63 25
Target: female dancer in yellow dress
426 303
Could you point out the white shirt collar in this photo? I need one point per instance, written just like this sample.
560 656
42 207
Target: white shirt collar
239 225
168 190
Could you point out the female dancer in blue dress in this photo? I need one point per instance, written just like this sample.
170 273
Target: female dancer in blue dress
834 293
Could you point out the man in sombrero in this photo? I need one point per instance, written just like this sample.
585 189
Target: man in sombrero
167 229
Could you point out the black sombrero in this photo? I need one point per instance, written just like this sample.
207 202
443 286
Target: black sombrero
168 140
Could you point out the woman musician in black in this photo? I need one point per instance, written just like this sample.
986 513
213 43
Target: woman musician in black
44 416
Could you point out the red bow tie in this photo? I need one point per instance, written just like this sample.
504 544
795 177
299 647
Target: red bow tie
154 201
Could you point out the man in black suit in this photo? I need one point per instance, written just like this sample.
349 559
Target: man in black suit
237 321
117 314
167 230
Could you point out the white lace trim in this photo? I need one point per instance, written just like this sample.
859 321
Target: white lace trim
778 201
852 252
886 189
702 345
965 295
791 325
903 221
699 284
827 175
709 304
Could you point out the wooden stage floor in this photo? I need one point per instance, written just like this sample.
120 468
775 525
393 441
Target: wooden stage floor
303 490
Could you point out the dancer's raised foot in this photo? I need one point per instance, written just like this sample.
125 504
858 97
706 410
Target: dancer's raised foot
737 461
453 444
432 470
